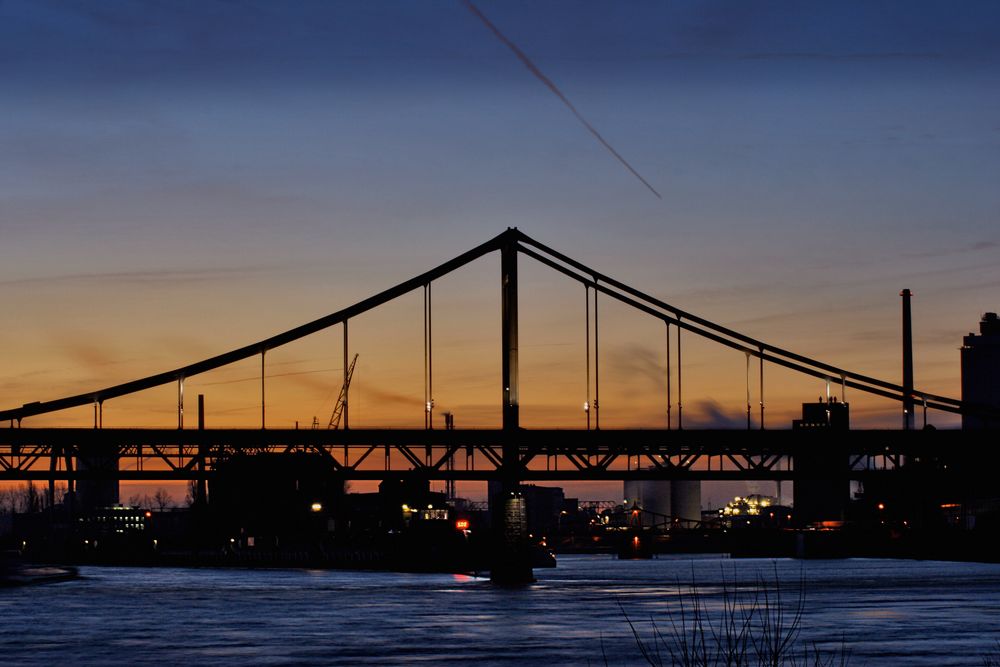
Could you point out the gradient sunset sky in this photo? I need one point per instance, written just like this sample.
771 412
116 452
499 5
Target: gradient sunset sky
181 178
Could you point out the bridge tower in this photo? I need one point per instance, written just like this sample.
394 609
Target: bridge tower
512 559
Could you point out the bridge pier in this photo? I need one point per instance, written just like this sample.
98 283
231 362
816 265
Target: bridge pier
511 560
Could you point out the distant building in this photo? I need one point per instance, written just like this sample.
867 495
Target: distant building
981 372
275 499
754 511
831 414
822 489
101 489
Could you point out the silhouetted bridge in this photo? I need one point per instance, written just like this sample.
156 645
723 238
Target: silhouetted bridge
510 453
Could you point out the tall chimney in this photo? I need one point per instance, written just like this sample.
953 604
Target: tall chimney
907 362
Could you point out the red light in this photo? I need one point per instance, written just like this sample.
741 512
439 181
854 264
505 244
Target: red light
148 514
462 524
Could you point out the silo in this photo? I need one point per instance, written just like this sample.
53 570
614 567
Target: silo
632 494
656 498
650 495
685 496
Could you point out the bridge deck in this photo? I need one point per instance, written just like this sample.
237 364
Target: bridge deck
542 454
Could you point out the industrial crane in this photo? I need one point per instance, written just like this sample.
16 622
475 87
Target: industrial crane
338 407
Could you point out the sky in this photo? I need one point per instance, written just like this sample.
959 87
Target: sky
181 178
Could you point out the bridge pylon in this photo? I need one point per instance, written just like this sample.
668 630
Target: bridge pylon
512 559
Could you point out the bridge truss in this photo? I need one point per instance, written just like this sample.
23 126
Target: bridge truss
169 454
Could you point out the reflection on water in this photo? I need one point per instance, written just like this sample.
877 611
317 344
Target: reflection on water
887 612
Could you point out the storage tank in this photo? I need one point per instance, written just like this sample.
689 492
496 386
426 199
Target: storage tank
650 495
685 496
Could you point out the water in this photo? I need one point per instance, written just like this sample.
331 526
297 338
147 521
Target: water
887 612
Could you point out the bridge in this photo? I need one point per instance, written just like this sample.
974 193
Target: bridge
509 454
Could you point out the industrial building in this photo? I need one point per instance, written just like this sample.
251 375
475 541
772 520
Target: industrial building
822 491
676 501
981 372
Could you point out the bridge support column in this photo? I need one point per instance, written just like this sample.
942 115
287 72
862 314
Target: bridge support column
511 563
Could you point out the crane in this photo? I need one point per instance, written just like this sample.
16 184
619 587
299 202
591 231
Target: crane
338 407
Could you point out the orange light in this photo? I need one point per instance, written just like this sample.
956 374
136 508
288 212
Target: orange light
148 514
462 524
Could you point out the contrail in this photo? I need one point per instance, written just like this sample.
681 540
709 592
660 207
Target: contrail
555 90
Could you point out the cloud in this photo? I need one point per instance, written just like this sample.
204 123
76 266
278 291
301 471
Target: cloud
978 246
638 361
708 413
146 277
873 55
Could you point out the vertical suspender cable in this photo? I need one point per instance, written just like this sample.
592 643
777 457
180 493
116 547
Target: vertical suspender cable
263 422
762 388
680 395
347 386
426 391
669 406
586 300
430 360
180 403
748 389
597 364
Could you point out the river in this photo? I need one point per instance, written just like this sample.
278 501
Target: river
886 612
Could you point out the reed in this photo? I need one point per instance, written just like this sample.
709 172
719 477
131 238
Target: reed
756 625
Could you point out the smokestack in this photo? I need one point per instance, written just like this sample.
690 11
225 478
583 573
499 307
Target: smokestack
907 362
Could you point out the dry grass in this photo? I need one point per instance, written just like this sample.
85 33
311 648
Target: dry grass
752 626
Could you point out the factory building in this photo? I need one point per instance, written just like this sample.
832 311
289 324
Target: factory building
981 371
822 490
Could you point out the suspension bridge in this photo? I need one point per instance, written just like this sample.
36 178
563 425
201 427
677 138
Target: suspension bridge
757 453
510 454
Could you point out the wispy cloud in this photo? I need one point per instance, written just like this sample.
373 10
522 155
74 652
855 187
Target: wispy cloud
978 246
145 277
708 413
861 56
638 361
